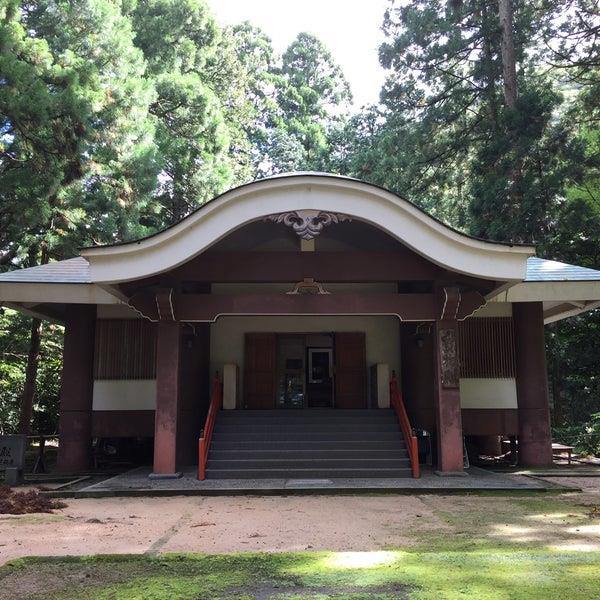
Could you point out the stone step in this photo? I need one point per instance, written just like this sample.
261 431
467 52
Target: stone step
292 465
295 445
268 428
306 454
332 413
231 436
309 421
306 473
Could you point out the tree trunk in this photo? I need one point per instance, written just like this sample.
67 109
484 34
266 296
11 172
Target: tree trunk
30 377
509 69
490 69
509 76
33 357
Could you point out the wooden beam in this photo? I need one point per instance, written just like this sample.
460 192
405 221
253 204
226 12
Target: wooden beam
284 267
208 307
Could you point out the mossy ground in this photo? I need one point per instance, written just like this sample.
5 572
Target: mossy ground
503 548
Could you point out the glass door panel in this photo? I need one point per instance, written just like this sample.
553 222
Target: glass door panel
291 371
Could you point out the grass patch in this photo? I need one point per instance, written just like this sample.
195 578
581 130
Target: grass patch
490 572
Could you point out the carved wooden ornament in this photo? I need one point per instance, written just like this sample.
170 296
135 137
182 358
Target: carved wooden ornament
448 358
308 286
308 224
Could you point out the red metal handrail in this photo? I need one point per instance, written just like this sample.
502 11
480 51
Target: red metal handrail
411 440
216 401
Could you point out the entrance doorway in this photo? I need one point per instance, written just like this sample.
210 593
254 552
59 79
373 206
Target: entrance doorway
305 370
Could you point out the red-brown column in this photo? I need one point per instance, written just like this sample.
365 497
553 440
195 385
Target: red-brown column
535 442
77 386
447 399
168 351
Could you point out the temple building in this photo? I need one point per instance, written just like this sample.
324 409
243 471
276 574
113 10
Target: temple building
339 317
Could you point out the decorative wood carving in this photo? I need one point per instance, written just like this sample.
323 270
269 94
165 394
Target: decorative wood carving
449 357
308 224
451 301
164 304
308 286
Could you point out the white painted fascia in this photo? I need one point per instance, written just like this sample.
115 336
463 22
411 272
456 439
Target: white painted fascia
576 297
397 217
31 311
42 293
550 291
570 312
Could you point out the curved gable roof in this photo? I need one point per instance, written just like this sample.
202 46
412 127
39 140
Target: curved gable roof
308 191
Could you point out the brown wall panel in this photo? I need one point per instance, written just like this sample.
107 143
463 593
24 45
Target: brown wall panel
490 421
487 347
123 423
125 349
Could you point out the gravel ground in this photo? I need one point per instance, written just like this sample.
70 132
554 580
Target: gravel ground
293 523
213 524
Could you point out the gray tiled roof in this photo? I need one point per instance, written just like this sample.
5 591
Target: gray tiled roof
539 269
73 270
77 270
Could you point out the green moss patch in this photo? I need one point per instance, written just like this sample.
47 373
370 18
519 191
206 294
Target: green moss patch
484 573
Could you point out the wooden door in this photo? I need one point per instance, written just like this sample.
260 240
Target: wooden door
259 370
350 370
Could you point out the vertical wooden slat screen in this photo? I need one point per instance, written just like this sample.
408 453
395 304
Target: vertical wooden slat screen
487 348
125 349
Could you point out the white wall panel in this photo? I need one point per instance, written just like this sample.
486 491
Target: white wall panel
488 393
124 394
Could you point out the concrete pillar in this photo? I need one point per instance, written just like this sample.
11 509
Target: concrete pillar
447 399
77 387
168 352
535 442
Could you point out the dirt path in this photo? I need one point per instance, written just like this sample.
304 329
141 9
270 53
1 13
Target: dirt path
294 523
216 524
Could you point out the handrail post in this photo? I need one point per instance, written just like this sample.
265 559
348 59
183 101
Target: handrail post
410 439
216 399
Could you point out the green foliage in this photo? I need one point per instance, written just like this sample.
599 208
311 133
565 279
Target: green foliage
244 79
179 41
14 344
311 95
76 145
585 436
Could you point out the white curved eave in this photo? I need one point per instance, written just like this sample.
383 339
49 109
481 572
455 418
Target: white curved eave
361 201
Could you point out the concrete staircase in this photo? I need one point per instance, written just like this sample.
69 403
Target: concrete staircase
307 444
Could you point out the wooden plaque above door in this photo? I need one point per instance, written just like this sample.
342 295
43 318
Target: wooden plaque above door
350 370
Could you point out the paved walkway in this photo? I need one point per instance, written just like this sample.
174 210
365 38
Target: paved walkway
136 482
